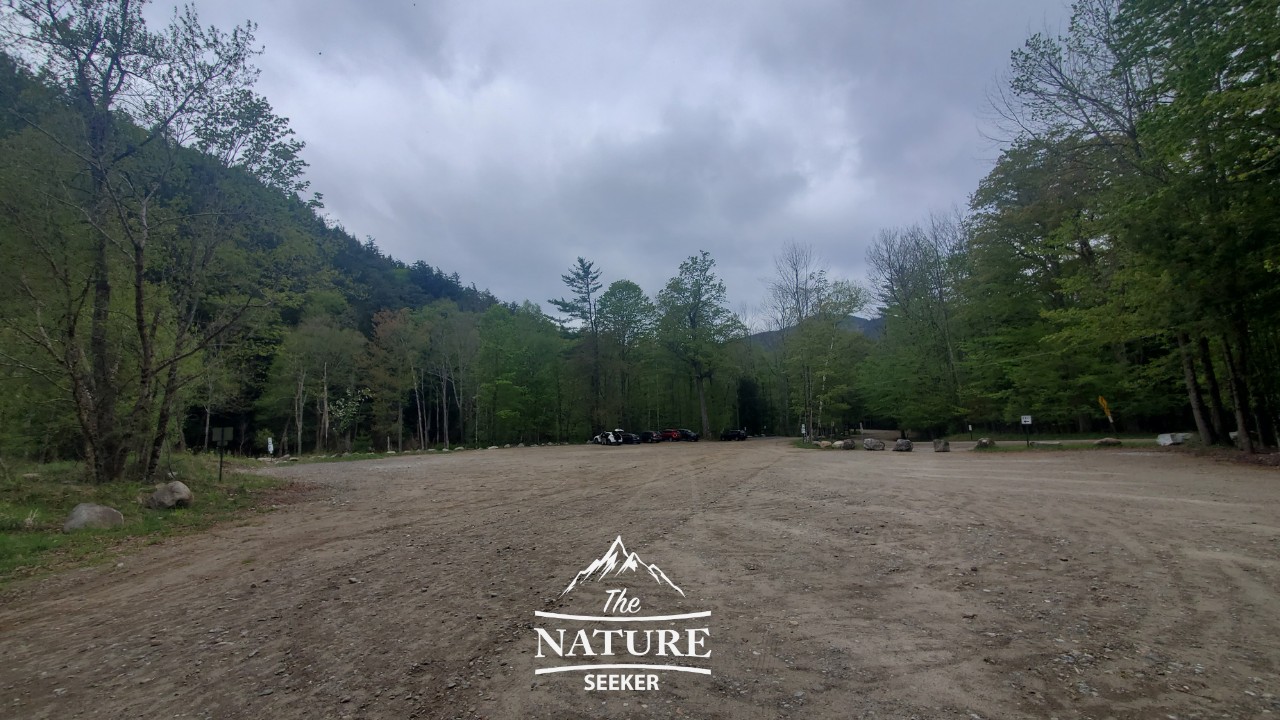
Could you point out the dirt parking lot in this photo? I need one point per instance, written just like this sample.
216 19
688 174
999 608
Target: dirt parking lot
1069 584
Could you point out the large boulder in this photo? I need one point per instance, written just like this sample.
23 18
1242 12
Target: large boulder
824 443
171 495
1172 438
88 516
873 444
1108 442
903 445
984 444
837 445
942 446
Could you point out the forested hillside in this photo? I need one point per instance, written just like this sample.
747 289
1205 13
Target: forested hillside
163 270
1124 246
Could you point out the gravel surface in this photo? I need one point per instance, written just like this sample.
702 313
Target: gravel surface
841 584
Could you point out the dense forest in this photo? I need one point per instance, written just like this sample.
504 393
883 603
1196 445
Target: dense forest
163 270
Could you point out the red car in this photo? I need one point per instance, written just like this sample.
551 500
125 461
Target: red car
670 434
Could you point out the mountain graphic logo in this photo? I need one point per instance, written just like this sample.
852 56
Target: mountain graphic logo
617 561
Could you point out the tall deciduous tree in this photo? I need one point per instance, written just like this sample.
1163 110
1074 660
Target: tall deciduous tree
627 318
396 353
696 324
123 287
915 271
809 309
1182 95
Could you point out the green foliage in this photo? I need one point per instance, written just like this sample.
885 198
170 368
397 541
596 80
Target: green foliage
1125 243
129 279
521 380
583 280
1119 247
627 322
915 379
695 325
222 269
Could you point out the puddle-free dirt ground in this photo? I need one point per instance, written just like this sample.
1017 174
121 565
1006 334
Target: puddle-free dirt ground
1084 584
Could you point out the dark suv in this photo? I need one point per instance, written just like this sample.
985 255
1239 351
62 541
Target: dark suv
686 434
733 434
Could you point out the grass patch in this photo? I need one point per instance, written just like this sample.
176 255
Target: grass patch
1021 446
35 500
1046 435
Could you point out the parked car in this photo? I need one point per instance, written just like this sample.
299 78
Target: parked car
609 437
671 434
686 434
651 436
733 434
627 438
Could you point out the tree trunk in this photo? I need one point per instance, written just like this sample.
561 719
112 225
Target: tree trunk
1216 415
107 438
1264 420
429 414
702 404
322 441
1239 396
444 406
160 436
316 446
299 407
1193 391
417 406
462 415
596 418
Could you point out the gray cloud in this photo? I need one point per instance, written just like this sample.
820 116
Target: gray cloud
501 140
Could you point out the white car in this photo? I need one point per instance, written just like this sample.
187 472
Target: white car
609 437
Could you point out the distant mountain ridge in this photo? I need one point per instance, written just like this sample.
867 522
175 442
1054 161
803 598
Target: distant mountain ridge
872 328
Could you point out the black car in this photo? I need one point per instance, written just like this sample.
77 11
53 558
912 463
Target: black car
686 434
733 434
650 436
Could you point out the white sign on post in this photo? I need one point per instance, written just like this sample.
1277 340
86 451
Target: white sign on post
1026 419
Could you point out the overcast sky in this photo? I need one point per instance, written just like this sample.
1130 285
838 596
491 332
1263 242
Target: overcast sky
503 139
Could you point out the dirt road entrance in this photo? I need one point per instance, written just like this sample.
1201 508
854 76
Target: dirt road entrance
1125 584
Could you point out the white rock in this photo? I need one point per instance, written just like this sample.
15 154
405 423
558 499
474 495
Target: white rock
170 495
90 516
